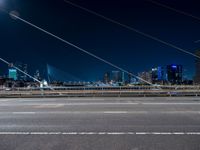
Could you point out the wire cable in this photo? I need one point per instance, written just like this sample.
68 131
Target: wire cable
13 66
133 29
78 48
173 9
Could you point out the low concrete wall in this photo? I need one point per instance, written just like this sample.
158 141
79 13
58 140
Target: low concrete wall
100 93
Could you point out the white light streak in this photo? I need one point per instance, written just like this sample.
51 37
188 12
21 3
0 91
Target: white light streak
132 29
80 49
175 10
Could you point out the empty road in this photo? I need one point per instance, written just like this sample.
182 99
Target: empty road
100 124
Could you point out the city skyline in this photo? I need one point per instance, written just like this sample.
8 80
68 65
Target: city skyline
120 46
170 74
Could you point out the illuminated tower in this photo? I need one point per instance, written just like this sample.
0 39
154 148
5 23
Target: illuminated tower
12 74
157 75
174 74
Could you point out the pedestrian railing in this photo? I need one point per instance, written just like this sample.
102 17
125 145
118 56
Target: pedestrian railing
137 91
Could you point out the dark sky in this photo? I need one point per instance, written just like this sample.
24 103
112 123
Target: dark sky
129 50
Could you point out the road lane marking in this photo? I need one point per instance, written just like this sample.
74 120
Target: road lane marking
49 106
100 133
170 103
68 104
57 105
23 113
130 103
99 112
5 100
75 112
115 112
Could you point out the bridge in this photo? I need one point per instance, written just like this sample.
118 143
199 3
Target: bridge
124 91
100 118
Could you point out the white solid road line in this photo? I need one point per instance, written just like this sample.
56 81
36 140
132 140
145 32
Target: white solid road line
62 99
128 103
74 112
98 112
94 104
85 104
170 103
99 133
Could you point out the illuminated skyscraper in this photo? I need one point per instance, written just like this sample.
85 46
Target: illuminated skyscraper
174 74
157 75
12 74
146 76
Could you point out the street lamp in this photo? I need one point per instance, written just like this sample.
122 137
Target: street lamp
1 2
14 14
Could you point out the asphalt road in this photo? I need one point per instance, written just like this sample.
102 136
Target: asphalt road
100 124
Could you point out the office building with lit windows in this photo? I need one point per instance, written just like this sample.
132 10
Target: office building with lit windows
174 74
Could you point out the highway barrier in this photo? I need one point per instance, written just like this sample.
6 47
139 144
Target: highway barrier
133 91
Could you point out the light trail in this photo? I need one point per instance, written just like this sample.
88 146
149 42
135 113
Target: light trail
132 29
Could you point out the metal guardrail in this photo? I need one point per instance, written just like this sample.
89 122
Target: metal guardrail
177 87
135 91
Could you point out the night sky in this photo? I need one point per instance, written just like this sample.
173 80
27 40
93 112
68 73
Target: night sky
127 49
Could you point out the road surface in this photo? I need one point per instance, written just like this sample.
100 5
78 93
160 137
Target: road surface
100 124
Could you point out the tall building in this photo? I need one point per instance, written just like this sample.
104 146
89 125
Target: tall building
157 75
12 74
106 78
24 68
174 74
197 68
147 76
116 76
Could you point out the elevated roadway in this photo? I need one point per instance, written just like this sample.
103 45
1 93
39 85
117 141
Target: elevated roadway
100 123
